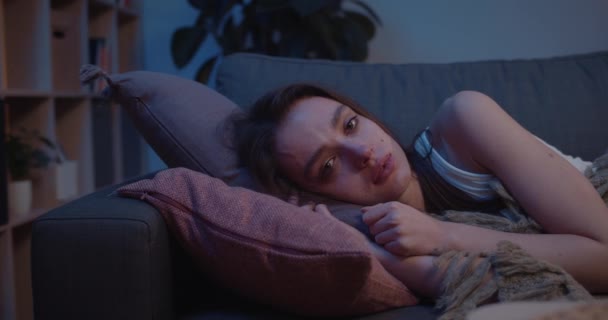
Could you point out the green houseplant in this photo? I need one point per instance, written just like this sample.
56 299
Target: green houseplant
322 29
24 154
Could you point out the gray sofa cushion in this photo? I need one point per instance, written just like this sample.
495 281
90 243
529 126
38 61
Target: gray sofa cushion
563 100
102 257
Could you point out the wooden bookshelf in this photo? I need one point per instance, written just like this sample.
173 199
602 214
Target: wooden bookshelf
43 43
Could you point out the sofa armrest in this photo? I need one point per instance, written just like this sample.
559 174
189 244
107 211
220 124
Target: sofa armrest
102 257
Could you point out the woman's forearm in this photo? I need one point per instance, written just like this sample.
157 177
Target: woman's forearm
585 259
418 273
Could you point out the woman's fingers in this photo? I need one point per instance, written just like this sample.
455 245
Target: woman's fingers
372 214
392 242
385 223
397 248
387 236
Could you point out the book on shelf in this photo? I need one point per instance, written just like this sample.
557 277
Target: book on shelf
103 149
99 55
3 167
123 3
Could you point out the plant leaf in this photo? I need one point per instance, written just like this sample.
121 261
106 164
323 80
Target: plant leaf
320 25
47 142
233 37
225 7
184 44
39 159
203 5
203 73
369 10
363 21
308 7
353 40
270 5
23 155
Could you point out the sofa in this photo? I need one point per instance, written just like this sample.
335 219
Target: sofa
108 257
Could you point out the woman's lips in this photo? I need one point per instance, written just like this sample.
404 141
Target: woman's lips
384 170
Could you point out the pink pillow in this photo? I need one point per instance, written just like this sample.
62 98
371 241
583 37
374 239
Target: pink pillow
269 250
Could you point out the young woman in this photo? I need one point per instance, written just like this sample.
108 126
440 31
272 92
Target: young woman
304 136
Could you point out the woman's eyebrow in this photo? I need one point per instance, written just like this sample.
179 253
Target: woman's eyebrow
335 122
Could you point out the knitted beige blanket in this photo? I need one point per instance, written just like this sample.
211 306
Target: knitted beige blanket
514 274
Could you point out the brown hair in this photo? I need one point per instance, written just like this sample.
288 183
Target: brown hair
254 131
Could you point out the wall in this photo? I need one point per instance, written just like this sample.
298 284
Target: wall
428 31
465 30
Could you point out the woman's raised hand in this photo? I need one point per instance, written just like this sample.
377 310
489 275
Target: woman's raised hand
404 230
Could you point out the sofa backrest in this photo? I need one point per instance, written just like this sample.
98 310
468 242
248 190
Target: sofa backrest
563 100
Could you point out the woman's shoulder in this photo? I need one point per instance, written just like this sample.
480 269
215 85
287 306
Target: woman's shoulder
464 111
458 123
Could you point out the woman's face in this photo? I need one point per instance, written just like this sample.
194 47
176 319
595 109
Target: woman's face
327 148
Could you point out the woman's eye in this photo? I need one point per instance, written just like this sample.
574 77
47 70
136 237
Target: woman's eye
327 167
351 124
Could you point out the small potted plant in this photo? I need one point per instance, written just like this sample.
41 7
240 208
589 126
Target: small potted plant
24 154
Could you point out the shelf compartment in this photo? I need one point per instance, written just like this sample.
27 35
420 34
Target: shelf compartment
2 49
105 150
101 43
22 244
118 142
30 112
69 43
34 114
74 135
128 43
134 162
130 7
71 95
127 13
28 49
25 93
7 291
3 168
28 217
101 3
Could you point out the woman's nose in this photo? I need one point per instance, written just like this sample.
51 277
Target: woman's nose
359 154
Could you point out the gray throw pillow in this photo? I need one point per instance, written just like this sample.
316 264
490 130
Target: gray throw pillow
181 119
